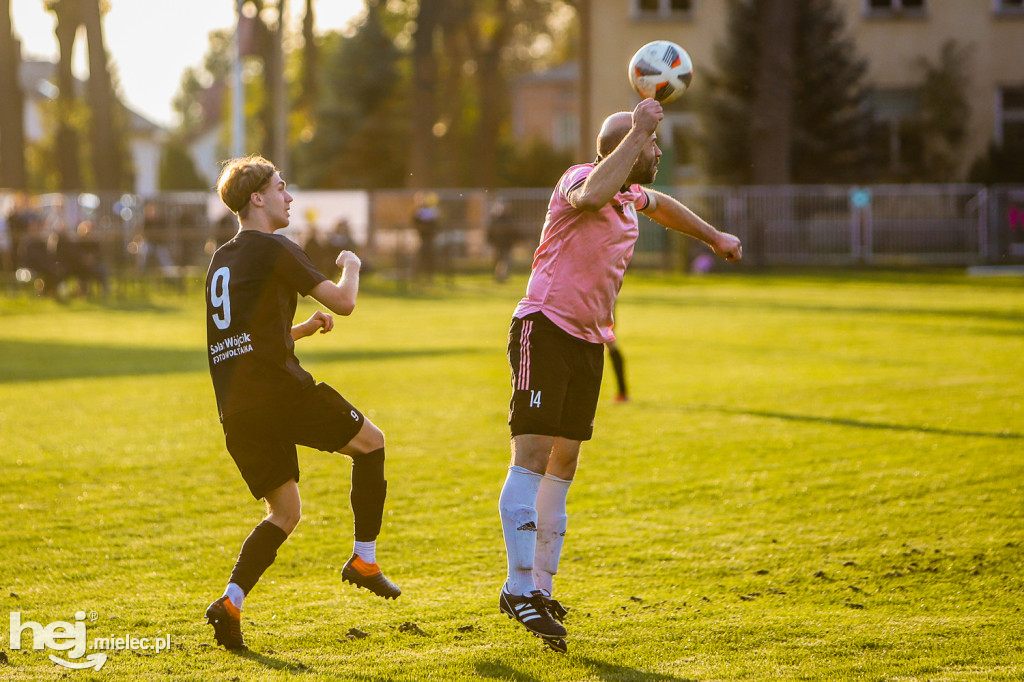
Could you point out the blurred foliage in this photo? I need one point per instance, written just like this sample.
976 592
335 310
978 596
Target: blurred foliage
999 164
944 116
831 119
351 113
177 170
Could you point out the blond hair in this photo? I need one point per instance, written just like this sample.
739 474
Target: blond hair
240 178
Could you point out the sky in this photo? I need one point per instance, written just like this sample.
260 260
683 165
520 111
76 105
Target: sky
152 42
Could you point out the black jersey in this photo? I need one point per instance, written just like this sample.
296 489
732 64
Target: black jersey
252 290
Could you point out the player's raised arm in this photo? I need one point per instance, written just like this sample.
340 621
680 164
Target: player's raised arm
340 298
622 138
671 213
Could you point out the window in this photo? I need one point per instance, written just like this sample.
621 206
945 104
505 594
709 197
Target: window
890 7
896 138
565 134
1009 6
1010 133
657 9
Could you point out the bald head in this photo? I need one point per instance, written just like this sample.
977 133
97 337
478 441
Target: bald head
613 130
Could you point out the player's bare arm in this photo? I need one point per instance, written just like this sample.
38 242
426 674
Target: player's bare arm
340 298
613 171
671 213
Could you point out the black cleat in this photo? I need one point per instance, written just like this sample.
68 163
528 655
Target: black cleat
369 576
557 611
532 612
226 620
556 644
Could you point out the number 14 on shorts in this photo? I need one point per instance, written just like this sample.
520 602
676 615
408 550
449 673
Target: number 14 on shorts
534 398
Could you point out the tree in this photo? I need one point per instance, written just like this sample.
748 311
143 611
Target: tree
360 138
310 61
416 95
423 88
829 121
68 151
999 164
945 114
12 125
771 131
177 171
107 142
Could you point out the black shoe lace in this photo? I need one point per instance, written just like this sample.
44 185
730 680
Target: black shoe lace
557 611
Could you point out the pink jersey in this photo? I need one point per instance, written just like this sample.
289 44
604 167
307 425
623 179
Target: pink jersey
582 258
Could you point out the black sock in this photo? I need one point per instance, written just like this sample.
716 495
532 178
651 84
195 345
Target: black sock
369 489
258 552
619 363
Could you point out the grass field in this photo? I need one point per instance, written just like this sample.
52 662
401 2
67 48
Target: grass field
819 477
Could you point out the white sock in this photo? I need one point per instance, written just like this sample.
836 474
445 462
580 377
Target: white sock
235 594
517 506
367 551
551 525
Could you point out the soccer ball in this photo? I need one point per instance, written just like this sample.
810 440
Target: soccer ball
660 69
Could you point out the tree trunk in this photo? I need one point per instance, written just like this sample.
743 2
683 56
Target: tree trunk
310 61
69 162
106 144
279 96
424 111
12 124
491 91
771 130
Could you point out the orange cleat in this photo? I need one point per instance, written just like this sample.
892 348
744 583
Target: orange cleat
226 620
369 576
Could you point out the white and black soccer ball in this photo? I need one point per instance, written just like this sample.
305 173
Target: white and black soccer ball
660 69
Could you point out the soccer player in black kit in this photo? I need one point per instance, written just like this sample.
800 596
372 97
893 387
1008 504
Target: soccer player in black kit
268 403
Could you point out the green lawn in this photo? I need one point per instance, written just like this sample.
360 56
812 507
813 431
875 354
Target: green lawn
819 477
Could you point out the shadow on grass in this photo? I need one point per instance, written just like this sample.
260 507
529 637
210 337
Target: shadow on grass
611 671
23 361
273 663
500 671
859 424
600 669
976 314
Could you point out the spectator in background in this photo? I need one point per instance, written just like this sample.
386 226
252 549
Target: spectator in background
6 247
425 219
34 256
223 230
156 232
90 265
619 364
502 235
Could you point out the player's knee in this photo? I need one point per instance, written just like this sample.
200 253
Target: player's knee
286 519
375 438
516 511
369 439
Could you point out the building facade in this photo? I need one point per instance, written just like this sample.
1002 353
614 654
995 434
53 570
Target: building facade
892 36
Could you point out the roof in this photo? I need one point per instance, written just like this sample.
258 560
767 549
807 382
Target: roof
39 81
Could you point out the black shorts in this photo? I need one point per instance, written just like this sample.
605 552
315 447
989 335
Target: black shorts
556 380
262 440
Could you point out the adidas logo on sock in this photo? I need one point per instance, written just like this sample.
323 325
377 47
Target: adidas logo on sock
529 525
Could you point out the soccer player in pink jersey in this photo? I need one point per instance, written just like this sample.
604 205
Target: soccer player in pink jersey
556 346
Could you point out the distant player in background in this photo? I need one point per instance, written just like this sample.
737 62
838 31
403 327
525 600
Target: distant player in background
619 365
268 404
556 347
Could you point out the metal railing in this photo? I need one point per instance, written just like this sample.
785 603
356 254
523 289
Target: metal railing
172 235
